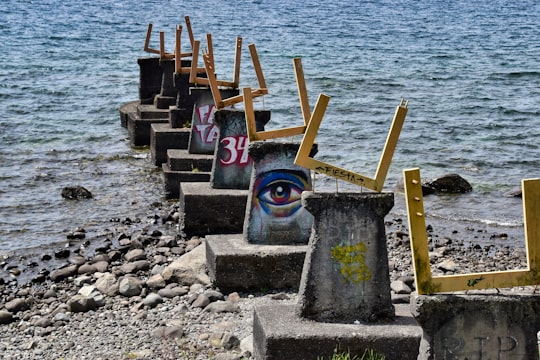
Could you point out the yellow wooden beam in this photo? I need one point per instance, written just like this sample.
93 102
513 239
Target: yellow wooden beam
391 143
257 66
237 58
302 90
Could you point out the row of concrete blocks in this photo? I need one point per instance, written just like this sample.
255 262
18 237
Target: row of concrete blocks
452 326
498 326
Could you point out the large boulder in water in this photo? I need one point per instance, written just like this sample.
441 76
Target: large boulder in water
449 183
76 192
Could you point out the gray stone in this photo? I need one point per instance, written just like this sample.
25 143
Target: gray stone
16 305
449 183
77 260
168 332
156 282
63 273
107 284
399 287
189 269
201 301
43 322
152 300
447 265
213 295
6 317
345 275
87 269
135 254
81 303
173 292
101 266
221 307
135 266
130 286
81 280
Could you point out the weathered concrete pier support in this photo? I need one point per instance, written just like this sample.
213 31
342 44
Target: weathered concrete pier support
346 272
150 77
167 94
344 298
219 207
483 325
270 253
232 164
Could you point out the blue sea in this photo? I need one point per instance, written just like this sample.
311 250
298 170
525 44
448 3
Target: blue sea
469 69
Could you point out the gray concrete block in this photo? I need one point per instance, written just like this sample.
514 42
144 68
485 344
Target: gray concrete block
346 271
479 325
172 180
204 131
279 333
139 128
149 111
182 160
150 76
126 109
180 118
232 164
211 211
274 214
235 265
163 138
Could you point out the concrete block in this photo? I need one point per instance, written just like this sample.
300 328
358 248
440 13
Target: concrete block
479 325
180 118
173 178
150 77
139 128
279 333
346 273
204 132
211 211
235 265
164 102
163 138
125 110
182 160
275 215
146 111
232 164
167 80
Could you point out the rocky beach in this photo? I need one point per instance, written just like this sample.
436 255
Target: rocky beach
140 290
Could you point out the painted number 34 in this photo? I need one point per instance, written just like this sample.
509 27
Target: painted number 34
236 147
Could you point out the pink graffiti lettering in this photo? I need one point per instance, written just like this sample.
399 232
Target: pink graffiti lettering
236 147
206 130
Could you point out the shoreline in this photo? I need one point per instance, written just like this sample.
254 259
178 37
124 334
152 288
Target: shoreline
167 317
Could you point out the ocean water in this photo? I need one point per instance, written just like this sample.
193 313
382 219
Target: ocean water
470 71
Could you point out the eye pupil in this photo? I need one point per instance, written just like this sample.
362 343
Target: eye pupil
280 192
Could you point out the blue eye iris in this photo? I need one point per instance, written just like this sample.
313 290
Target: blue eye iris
280 192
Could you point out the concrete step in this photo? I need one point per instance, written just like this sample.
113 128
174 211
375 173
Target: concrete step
236 265
280 333
125 109
163 137
209 211
139 128
172 180
150 111
183 160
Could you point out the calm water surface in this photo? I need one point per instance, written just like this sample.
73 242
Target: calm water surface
470 70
